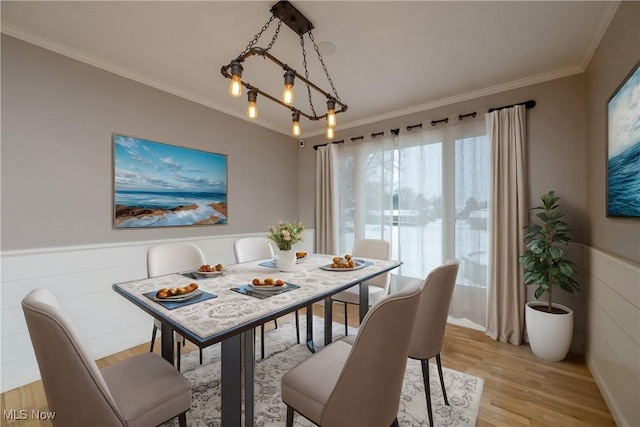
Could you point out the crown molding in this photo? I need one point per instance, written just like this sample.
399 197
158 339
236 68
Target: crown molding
605 18
62 49
503 87
603 21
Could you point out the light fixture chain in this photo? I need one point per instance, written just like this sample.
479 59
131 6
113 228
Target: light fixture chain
257 36
306 74
289 15
324 67
275 36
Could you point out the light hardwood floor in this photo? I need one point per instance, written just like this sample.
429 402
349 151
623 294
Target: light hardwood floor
519 389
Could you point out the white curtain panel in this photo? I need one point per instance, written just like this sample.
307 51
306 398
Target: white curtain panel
326 200
426 191
507 293
365 185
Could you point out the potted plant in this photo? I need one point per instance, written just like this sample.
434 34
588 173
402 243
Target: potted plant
549 325
284 236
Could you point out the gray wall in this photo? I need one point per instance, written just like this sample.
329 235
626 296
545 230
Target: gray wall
612 292
58 116
618 52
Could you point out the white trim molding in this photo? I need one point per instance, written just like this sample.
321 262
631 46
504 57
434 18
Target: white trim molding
81 277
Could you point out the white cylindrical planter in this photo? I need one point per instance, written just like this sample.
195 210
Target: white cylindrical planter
549 334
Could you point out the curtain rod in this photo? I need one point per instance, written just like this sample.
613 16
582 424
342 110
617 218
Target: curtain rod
528 104
435 122
396 132
315 147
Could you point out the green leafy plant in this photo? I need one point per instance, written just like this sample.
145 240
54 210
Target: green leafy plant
544 260
286 234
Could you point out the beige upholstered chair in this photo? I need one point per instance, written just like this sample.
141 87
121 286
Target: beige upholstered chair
378 286
172 258
143 391
248 249
431 321
359 384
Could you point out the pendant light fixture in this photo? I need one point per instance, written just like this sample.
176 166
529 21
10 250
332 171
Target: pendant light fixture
252 110
287 94
285 13
331 113
330 133
295 128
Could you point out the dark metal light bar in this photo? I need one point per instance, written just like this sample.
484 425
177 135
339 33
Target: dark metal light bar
286 13
262 52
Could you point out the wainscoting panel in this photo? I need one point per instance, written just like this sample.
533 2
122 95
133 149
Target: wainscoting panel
612 308
81 278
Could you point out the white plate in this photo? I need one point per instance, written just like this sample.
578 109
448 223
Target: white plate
265 288
360 263
180 298
208 273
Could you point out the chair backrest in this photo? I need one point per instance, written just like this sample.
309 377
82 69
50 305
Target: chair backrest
252 249
374 248
431 320
370 385
173 258
73 384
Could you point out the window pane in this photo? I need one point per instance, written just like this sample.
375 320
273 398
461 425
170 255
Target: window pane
471 206
419 198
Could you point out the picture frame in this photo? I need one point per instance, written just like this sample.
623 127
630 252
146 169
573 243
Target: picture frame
623 148
156 184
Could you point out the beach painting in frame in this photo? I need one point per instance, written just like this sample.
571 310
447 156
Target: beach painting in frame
623 161
162 185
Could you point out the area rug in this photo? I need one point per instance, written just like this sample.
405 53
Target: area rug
282 353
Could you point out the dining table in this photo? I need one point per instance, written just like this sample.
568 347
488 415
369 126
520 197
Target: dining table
226 309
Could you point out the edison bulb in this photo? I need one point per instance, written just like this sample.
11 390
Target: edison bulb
235 88
331 118
295 129
252 110
287 94
330 133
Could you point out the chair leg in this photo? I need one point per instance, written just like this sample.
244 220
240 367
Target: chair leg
289 416
201 355
395 423
444 391
297 327
346 324
275 322
262 341
153 337
427 389
178 356
182 419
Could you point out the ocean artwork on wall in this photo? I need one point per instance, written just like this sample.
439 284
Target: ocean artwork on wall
623 161
162 185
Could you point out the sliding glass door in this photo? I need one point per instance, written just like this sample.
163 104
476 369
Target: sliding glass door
427 193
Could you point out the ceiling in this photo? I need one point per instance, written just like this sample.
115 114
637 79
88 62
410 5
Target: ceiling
391 57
